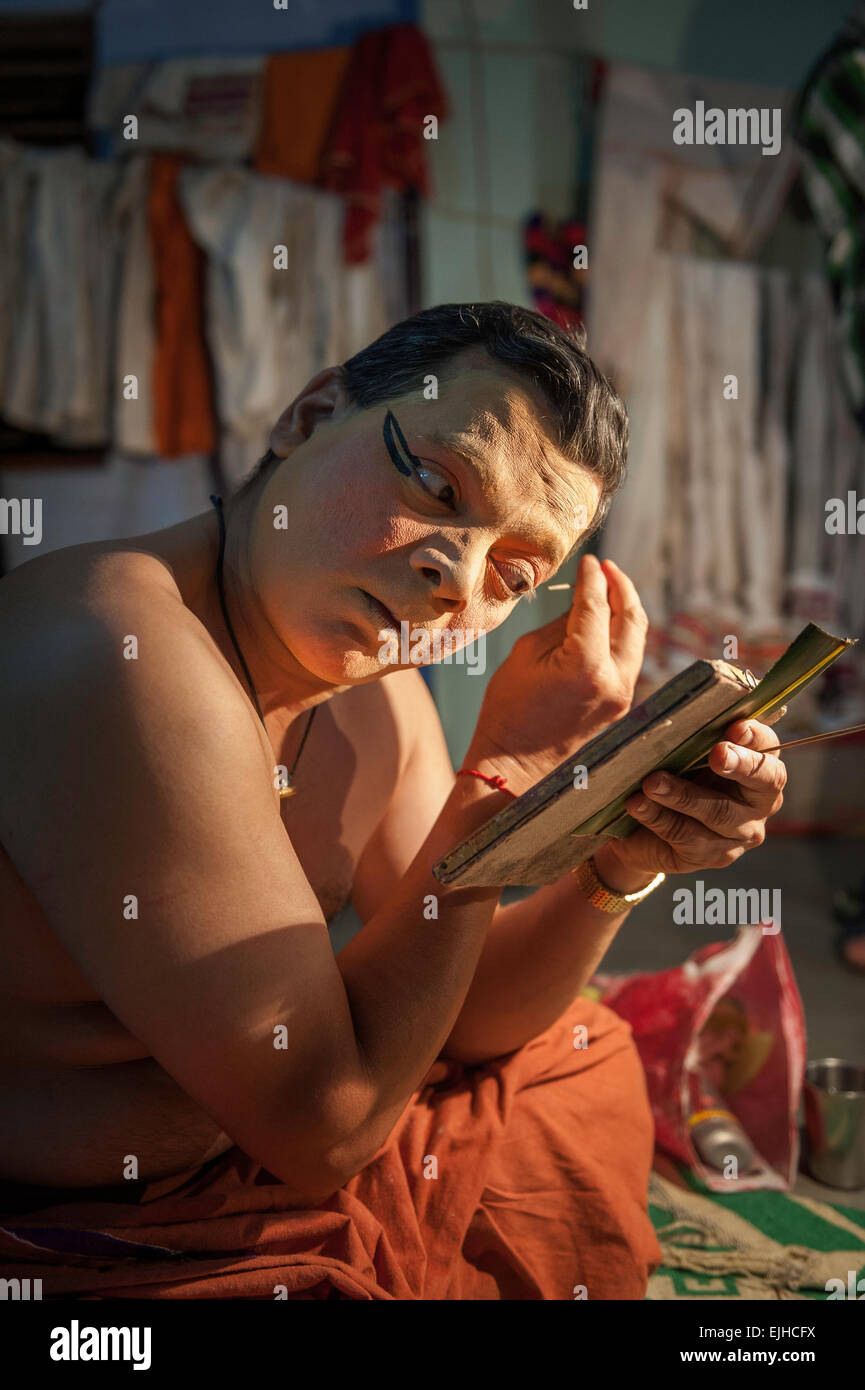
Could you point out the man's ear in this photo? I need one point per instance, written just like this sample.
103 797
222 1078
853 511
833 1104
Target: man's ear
323 397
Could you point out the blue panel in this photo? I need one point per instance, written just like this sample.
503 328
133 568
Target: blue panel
774 42
137 30
40 6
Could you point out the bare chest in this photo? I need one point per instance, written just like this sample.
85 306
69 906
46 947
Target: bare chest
343 782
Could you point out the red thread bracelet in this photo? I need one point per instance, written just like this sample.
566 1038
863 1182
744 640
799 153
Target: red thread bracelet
496 781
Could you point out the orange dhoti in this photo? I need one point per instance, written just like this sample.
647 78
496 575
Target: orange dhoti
522 1178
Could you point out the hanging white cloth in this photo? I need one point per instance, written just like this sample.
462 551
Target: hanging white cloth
721 519
208 107
280 304
744 559
636 527
780 319
812 436
57 377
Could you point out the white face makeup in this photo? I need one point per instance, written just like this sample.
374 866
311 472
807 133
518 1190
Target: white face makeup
440 514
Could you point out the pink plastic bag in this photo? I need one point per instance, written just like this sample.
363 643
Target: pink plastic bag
729 1020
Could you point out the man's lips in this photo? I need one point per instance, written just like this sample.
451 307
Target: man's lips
380 611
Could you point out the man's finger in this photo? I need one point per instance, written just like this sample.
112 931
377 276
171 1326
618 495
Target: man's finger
687 838
761 776
751 733
715 808
589 618
629 623
648 852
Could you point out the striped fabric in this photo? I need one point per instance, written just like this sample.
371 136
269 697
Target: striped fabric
557 287
830 130
751 1245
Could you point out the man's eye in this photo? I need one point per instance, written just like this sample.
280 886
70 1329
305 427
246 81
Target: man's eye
520 585
436 483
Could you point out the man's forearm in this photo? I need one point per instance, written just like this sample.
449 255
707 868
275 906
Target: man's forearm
407 973
538 955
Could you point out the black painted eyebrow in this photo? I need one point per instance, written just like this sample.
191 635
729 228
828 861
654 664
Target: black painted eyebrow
396 445
399 451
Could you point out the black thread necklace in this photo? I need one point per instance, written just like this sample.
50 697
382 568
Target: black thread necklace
289 788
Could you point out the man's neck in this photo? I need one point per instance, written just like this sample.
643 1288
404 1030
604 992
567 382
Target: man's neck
192 549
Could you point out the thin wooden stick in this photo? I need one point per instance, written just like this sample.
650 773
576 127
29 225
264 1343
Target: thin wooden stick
794 743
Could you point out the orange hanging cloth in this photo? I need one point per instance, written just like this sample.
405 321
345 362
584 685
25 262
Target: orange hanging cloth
301 90
377 139
184 417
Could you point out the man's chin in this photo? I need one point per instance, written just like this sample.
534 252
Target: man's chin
341 660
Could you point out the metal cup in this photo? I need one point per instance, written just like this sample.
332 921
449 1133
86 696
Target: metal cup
834 1135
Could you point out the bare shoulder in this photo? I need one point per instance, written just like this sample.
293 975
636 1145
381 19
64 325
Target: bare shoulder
75 589
88 631
52 605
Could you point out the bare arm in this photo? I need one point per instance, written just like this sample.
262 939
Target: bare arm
538 953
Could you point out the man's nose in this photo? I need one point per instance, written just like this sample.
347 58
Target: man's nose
449 580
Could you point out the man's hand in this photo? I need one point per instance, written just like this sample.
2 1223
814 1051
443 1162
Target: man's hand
542 951
709 822
564 682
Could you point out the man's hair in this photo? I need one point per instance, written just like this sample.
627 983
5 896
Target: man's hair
590 424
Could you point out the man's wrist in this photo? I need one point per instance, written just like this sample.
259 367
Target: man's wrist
518 776
618 876
472 802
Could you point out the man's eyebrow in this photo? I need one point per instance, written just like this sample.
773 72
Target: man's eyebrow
449 442
549 541
551 546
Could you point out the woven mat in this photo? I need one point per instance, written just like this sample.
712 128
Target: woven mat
750 1245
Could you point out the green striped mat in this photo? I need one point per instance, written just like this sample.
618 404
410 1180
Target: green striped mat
751 1245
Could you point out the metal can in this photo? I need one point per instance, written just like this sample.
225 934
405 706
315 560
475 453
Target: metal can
834 1098
718 1136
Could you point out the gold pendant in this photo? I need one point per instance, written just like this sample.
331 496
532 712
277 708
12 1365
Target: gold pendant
286 791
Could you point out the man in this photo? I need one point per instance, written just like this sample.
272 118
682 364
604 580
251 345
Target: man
173 1012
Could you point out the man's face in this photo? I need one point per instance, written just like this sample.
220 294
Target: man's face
434 513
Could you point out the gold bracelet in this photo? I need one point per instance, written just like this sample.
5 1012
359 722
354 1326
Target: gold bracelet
602 897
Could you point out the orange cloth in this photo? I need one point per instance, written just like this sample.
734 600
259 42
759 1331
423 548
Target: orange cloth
300 94
543 1166
183 407
377 137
